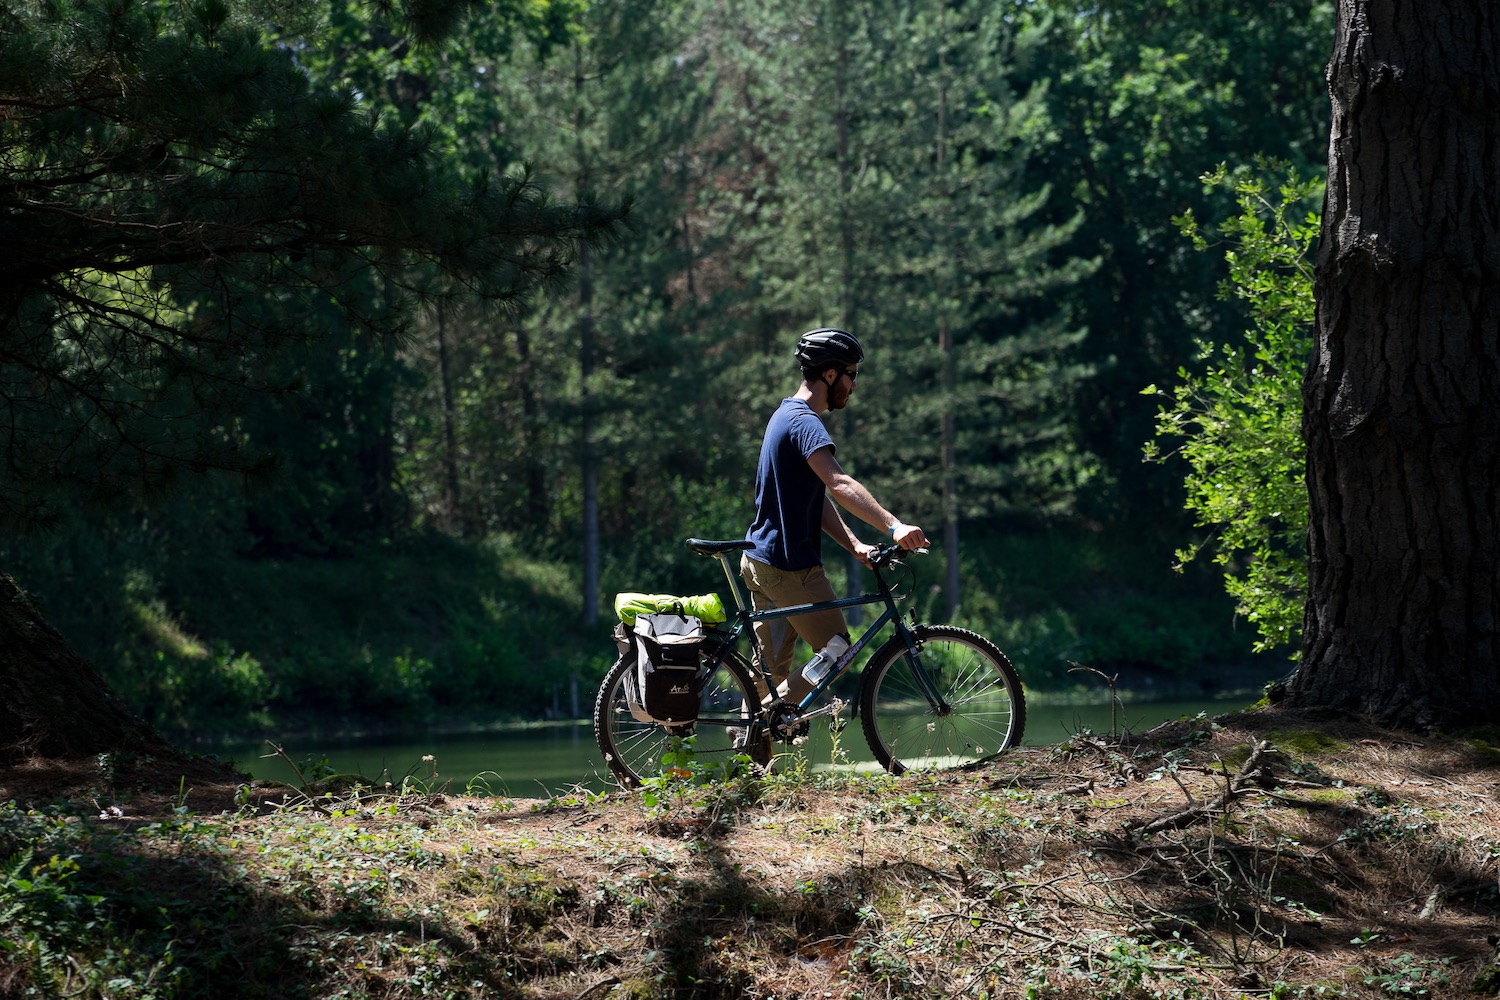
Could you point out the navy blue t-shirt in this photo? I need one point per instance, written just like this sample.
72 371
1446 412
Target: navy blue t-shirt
788 525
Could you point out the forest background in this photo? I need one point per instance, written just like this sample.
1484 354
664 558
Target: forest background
444 500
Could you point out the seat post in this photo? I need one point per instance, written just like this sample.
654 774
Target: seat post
736 585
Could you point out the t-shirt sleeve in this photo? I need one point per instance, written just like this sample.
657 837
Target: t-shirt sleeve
808 434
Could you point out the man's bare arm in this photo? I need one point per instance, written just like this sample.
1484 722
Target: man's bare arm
853 497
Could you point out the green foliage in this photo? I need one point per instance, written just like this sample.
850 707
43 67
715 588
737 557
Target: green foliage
428 631
168 230
1144 97
1053 598
82 912
437 632
1406 975
895 203
1239 423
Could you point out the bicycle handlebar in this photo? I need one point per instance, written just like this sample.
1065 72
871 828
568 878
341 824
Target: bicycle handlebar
891 553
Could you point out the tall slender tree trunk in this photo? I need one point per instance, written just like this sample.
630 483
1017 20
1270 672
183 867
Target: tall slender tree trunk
947 353
590 449
846 319
537 504
950 477
1402 396
450 433
55 704
590 456
379 454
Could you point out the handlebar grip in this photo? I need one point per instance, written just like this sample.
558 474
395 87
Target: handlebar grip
892 552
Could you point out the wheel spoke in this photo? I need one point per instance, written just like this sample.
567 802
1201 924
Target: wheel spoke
985 711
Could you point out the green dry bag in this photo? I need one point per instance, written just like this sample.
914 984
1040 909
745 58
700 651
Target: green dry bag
705 607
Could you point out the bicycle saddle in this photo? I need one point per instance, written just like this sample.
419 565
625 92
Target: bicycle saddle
707 548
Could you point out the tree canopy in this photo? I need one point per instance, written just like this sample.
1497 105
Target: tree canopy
165 173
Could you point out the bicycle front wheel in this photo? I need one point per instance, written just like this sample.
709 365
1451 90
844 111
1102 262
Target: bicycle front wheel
633 749
982 713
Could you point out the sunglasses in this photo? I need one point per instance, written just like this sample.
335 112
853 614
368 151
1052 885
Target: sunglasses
852 373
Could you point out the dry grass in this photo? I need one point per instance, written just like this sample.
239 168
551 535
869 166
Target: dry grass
1267 856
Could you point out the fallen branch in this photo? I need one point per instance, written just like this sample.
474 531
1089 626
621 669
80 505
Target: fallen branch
1080 946
609 983
305 790
1249 778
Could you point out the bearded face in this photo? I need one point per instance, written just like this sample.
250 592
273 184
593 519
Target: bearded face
840 390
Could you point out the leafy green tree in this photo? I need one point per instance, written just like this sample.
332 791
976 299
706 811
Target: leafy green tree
1238 423
447 90
165 174
888 197
1146 96
971 269
126 192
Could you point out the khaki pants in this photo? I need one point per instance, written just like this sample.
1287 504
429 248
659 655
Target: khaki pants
776 588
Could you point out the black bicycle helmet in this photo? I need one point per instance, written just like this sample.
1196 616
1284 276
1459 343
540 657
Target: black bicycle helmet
828 347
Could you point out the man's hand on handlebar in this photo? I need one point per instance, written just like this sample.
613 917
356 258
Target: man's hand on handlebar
866 554
885 555
908 536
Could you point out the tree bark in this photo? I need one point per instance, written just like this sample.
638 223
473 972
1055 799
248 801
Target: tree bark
1402 395
54 703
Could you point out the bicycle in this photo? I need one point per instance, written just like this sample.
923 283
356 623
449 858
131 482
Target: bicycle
932 697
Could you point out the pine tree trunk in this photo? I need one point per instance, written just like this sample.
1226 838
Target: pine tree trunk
853 568
1402 396
55 704
456 522
589 448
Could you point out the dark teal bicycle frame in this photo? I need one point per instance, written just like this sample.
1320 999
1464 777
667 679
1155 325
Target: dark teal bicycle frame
745 617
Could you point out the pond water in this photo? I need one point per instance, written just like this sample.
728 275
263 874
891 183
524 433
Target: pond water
537 761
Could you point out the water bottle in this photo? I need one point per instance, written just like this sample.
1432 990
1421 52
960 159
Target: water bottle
828 657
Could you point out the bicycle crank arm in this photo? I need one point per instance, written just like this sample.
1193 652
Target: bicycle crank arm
832 708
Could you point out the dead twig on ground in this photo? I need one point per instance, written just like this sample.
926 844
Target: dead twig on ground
1114 697
1250 777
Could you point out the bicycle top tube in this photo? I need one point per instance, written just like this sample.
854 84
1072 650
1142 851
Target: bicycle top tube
770 614
721 550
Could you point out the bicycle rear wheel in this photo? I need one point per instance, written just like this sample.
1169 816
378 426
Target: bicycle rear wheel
986 708
633 749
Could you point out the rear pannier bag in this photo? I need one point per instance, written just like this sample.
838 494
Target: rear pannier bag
667 653
624 638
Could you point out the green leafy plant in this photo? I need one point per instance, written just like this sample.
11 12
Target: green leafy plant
1409 976
1238 423
679 769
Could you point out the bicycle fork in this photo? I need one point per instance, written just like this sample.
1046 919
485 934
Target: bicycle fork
913 655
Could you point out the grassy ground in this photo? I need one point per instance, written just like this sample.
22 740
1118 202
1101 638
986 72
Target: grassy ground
1264 855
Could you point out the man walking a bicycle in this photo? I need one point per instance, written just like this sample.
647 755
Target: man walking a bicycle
799 488
931 697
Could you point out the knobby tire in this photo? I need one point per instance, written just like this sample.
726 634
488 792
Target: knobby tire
987 707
